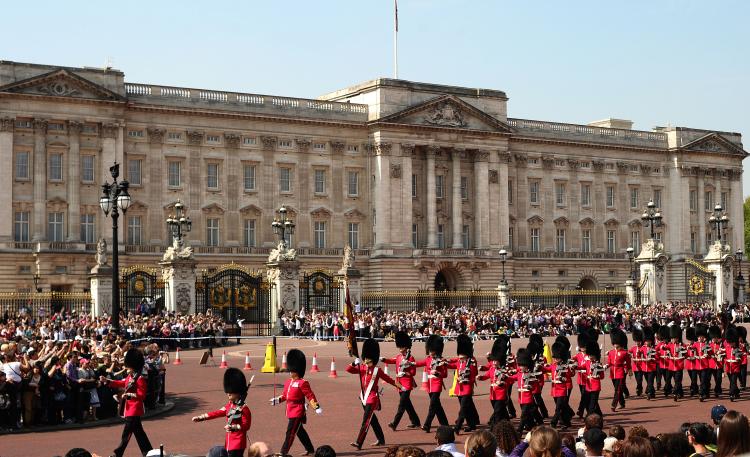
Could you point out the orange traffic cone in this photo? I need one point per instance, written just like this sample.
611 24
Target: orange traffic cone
283 362
315 368
177 360
224 360
247 362
333 368
425 381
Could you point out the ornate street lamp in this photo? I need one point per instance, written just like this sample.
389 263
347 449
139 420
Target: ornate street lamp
631 258
179 224
115 198
652 216
36 279
738 257
503 257
282 226
719 222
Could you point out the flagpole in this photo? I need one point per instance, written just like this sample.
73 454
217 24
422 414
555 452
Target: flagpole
395 40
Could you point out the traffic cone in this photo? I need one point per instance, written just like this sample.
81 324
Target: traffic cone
247 362
333 368
224 360
283 362
425 381
315 368
177 360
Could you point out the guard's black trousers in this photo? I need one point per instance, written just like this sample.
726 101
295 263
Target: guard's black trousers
369 419
296 427
675 382
132 427
511 407
529 417
499 411
584 402
468 411
405 405
619 397
650 390
693 375
717 381
638 382
706 374
593 406
435 409
734 389
540 404
563 412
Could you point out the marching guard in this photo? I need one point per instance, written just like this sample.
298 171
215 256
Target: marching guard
236 412
369 374
704 355
743 364
406 370
619 362
676 354
131 401
561 375
662 339
716 362
692 365
580 363
525 380
635 359
437 372
594 375
649 361
536 349
466 366
733 361
500 377
296 390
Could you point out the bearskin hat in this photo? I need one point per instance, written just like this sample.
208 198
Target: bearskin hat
732 335
563 340
434 344
464 346
583 339
714 331
593 350
296 362
523 358
506 339
499 351
618 337
560 351
134 360
235 382
663 333
701 330
648 334
675 332
536 340
371 350
403 340
690 334
743 332
638 335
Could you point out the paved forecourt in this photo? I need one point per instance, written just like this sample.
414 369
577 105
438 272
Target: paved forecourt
196 389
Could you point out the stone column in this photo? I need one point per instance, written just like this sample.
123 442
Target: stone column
430 153
154 168
457 202
504 204
40 178
630 291
194 187
108 156
7 125
407 152
353 278
101 290
74 181
701 212
675 211
482 199
652 263
284 278
179 281
736 212
382 152
719 261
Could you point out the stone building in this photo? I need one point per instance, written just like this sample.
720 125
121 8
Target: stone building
427 182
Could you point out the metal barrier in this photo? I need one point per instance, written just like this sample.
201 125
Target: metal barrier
417 300
576 297
44 303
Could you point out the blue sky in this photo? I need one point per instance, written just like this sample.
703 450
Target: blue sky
666 62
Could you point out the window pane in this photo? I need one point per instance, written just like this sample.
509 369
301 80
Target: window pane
586 241
610 196
55 227
55 167
174 174
213 176
212 232
21 226
320 234
22 165
87 228
535 240
249 232
249 181
413 186
534 192
134 230
320 181
464 188
285 184
353 183
439 186
354 235
440 236
134 172
465 237
87 168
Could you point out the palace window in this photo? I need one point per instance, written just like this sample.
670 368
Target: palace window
249 141
55 167
439 186
212 232
352 148
693 243
212 175
134 229
135 133
534 192
725 200
88 234
535 240
354 235
465 237
611 241
414 235
319 146
693 200
248 172
352 184
22 165
87 169
635 241
320 234
174 136
285 179
440 236
610 196
285 143
560 193
249 233
585 194
413 186
21 226
320 181
134 172
634 197
657 197
56 227
510 192
708 201
213 139
464 188
174 174
586 240
560 238
510 238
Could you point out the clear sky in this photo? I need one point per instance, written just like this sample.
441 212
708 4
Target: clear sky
656 62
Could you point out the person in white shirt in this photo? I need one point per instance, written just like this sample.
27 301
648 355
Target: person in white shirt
446 440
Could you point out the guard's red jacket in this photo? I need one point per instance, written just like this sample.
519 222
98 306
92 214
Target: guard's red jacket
560 375
404 377
593 382
635 354
236 439
716 362
691 362
459 364
133 406
294 394
435 380
733 360
498 383
703 354
649 357
661 349
580 359
365 377
676 361
619 363
525 385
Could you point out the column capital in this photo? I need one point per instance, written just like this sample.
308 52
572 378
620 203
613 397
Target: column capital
195 137
431 151
7 124
40 126
573 164
269 142
232 140
735 174
548 162
109 131
155 135
645 169
503 156
303 144
383 148
622 167
481 155
458 153
338 146
598 165
521 159
74 128
407 149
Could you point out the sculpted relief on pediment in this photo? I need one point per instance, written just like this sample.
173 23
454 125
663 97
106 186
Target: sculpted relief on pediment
446 114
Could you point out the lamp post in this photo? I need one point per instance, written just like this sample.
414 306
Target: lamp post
282 226
503 257
115 197
651 216
740 280
631 258
719 222
36 279
179 225
738 256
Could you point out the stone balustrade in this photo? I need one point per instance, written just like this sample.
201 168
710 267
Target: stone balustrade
580 132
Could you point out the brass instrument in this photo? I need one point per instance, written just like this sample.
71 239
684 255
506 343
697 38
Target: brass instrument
405 363
465 376
597 369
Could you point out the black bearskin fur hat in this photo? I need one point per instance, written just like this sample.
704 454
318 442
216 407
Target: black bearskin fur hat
593 350
523 358
560 352
371 350
235 382
434 344
296 362
134 359
464 346
403 340
619 337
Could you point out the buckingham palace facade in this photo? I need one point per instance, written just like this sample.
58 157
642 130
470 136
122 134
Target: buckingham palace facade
426 182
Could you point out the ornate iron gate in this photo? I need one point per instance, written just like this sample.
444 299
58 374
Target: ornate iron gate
138 283
699 282
319 291
236 293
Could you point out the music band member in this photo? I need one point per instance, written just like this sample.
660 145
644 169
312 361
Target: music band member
691 361
369 375
560 374
649 361
618 360
466 366
525 380
296 390
437 368
500 377
716 363
733 361
676 354
594 375
536 349
236 413
406 369
634 352
703 354
580 361
131 401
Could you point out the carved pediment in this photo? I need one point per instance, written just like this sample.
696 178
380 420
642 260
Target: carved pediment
321 213
213 208
635 224
561 222
354 213
137 205
716 144
612 222
251 210
62 83
535 220
586 222
447 111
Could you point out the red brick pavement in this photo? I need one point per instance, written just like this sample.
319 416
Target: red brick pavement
198 389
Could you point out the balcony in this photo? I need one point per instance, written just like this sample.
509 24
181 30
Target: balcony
569 255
